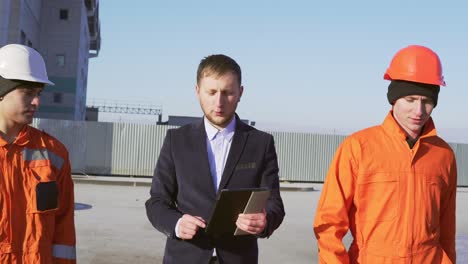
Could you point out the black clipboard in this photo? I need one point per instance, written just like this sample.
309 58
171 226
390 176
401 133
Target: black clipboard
232 202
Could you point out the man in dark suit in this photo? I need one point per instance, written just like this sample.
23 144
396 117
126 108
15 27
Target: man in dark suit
199 159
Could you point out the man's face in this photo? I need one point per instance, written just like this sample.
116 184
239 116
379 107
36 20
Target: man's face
19 106
412 112
218 96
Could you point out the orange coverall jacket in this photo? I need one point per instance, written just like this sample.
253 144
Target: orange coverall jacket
36 201
399 203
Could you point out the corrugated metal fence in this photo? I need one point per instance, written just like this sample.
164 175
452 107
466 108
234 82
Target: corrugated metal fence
303 156
132 149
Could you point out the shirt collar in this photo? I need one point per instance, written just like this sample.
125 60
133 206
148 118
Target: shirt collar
227 132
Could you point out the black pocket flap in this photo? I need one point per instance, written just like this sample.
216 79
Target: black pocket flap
47 195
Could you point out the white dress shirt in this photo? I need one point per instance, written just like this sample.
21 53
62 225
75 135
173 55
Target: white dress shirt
218 144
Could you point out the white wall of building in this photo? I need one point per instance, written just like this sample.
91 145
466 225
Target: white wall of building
73 47
4 21
29 23
82 69
64 42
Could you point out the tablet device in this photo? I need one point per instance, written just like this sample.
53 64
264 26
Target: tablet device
232 202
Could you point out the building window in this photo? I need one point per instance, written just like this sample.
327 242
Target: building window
63 14
23 38
57 98
60 60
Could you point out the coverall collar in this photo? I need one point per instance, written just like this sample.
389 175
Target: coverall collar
21 140
391 125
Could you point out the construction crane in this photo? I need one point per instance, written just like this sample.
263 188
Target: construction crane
122 107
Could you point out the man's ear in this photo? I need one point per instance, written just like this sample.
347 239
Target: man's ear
241 92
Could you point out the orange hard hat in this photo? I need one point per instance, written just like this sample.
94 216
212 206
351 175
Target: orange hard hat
416 64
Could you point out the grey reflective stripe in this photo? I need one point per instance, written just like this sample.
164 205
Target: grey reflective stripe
64 251
42 154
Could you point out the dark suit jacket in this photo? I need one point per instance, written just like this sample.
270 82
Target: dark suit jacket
182 184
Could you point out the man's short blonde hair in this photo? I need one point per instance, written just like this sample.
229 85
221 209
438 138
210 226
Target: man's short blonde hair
218 65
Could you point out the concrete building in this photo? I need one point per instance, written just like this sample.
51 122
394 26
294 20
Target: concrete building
92 114
67 34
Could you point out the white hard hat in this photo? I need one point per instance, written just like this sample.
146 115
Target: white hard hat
19 62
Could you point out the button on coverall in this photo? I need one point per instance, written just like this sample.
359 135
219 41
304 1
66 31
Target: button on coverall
399 203
36 201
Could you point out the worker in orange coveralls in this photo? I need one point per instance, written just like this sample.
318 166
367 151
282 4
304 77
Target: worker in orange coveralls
394 185
36 189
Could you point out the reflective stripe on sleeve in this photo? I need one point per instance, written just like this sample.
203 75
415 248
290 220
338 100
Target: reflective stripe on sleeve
64 251
42 154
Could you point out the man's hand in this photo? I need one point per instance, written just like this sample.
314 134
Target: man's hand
252 223
189 225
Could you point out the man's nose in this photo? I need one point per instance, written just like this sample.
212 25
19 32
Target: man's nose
219 99
35 100
420 107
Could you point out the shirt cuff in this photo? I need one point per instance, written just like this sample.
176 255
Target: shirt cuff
177 228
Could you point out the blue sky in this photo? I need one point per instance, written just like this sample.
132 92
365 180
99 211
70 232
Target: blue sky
308 66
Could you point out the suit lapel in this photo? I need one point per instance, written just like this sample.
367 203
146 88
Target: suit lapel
237 147
201 156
